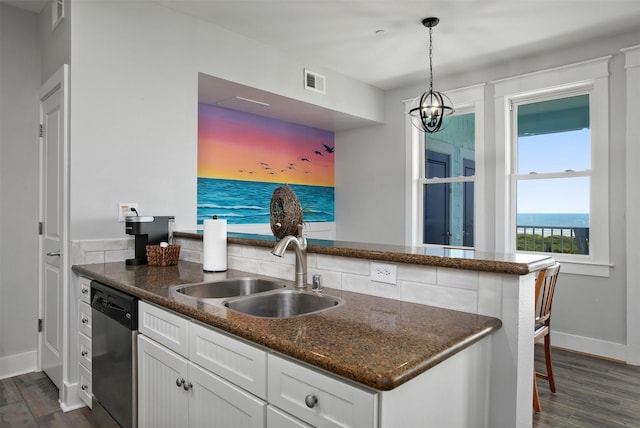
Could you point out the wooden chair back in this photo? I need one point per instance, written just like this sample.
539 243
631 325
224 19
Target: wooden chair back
545 288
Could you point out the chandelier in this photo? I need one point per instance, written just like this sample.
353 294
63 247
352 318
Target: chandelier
428 110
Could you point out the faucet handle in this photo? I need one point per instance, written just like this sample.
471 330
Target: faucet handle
299 231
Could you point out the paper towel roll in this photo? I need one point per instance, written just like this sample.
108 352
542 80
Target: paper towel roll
214 245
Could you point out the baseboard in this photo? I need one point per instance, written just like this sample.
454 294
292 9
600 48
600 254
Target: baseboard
15 365
588 345
70 399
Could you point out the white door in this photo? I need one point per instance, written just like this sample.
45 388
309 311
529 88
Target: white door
53 241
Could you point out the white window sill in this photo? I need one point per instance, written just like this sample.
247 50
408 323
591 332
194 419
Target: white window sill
574 266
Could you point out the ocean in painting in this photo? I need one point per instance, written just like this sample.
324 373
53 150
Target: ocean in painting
553 219
247 202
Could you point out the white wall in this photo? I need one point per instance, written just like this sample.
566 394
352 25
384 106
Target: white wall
55 44
19 84
134 84
589 312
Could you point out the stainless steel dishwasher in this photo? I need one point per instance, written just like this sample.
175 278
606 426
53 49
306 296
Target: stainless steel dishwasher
114 368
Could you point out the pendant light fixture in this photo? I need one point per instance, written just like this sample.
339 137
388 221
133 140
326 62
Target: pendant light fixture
428 110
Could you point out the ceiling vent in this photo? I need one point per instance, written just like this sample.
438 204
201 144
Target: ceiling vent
314 82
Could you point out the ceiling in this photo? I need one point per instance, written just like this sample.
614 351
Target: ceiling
340 35
384 44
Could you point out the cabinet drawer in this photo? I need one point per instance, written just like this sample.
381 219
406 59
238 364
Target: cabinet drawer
278 419
84 391
84 351
166 328
319 399
84 289
229 358
84 318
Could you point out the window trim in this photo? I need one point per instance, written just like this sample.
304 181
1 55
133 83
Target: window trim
466 100
591 76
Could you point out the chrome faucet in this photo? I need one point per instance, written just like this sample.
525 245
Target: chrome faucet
300 247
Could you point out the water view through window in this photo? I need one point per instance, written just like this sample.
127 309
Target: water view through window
553 176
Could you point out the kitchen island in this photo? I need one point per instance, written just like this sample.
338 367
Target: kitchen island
498 286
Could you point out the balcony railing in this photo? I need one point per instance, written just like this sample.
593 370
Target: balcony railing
553 239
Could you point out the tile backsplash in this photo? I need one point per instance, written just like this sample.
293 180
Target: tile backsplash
464 290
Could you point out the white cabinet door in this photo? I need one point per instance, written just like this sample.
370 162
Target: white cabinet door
162 400
214 402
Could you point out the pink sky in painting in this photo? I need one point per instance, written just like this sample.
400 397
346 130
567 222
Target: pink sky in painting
241 146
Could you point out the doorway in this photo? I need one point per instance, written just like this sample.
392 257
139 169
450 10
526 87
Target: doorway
53 217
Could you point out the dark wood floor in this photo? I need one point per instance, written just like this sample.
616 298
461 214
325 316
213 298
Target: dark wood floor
31 400
591 393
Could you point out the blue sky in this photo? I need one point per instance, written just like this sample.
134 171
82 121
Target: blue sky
554 153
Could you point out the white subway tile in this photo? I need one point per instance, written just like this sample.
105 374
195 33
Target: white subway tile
277 270
343 264
117 256
105 244
190 255
91 257
417 273
362 284
444 297
331 279
243 264
457 278
188 244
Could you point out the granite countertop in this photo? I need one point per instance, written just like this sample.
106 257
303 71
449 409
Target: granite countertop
510 263
381 343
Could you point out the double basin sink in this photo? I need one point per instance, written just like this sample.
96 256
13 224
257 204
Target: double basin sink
258 297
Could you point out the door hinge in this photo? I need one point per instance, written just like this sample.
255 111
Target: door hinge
41 131
40 325
40 228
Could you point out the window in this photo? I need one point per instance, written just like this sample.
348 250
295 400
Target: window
552 174
445 183
448 183
551 162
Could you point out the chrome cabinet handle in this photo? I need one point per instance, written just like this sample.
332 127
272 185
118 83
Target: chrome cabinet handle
84 353
311 401
179 382
84 291
85 320
84 387
54 253
187 386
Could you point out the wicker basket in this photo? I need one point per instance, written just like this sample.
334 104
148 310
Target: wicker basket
163 256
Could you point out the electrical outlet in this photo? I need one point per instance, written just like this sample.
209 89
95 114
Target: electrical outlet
124 210
383 272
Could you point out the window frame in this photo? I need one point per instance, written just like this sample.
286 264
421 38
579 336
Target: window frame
586 77
465 100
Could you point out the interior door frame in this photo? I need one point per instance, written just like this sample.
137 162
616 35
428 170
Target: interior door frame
58 81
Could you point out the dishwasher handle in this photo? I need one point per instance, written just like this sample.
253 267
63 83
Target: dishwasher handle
115 304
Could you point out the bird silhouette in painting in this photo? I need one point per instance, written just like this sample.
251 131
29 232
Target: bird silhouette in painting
263 164
319 153
305 159
328 149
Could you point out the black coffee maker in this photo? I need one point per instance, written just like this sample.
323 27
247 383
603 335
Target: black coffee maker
148 230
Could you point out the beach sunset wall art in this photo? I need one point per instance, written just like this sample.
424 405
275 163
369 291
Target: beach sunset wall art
243 158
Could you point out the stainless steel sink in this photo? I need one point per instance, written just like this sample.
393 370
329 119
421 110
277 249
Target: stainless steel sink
283 304
231 287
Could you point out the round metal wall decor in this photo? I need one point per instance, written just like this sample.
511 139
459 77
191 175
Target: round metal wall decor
286 212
